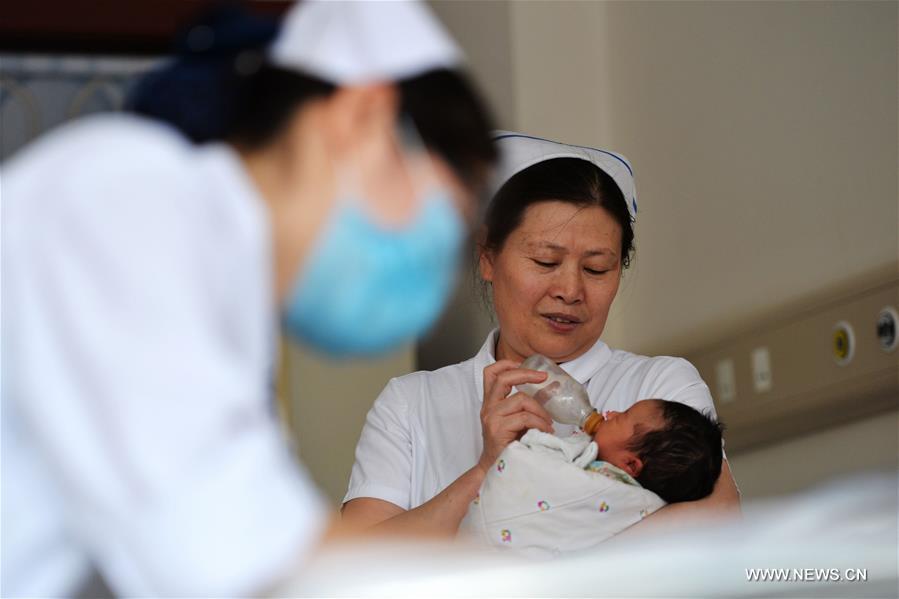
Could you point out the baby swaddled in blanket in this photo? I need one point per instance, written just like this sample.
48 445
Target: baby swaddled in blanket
547 496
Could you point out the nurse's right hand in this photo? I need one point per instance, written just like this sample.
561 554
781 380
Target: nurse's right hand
505 417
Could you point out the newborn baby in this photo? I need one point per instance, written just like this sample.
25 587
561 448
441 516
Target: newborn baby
546 496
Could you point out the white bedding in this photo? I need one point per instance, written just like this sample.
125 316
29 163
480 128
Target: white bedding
849 524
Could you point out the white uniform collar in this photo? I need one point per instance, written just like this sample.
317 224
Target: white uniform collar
581 368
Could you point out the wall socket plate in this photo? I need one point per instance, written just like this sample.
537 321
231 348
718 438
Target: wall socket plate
726 381
762 380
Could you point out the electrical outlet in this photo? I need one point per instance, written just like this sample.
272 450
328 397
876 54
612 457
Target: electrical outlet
726 379
761 370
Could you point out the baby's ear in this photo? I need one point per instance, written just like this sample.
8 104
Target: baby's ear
633 465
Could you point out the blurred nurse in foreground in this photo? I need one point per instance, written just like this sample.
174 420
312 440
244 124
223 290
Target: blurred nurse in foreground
321 174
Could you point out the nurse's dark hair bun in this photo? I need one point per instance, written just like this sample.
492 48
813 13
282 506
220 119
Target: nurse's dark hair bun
219 87
205 88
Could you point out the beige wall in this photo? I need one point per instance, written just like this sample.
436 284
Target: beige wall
484 31
326 403
868 444
764 139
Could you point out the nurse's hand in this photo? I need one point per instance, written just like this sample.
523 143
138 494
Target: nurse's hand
503 417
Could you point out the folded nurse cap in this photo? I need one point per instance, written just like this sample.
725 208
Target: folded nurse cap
519 151
363 41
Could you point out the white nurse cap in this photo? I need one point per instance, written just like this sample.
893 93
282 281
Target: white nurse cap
519 151
362 41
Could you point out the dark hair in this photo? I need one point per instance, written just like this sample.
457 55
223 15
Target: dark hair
203 89
682 460
219 88
571 180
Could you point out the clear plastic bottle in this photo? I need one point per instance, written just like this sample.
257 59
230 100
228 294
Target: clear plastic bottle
563 397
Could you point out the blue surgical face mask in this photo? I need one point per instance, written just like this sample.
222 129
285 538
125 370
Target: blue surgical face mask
365 289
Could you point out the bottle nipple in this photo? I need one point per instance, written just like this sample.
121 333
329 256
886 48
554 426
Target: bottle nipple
591 423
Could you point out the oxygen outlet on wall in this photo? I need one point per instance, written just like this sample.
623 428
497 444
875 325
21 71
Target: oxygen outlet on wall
886 329
843 343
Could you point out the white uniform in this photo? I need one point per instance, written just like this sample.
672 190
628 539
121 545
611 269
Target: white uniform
424 430
138 435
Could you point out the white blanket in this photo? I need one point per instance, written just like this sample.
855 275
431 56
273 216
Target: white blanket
539 500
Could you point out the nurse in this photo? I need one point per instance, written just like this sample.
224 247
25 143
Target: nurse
325 182
557 236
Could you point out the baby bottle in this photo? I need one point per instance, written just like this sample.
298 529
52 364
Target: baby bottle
563 397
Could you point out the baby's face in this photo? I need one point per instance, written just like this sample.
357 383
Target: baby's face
614 434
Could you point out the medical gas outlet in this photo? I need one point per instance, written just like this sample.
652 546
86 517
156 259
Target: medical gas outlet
843 343
886 329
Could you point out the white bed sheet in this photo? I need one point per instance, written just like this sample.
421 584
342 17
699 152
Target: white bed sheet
847 525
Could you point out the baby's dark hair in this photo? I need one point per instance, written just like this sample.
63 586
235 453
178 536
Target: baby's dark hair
682 460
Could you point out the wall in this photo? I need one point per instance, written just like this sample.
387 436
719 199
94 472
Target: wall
484 31
325 403
809 460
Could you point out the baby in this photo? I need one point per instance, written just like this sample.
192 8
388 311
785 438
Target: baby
668 447
547 496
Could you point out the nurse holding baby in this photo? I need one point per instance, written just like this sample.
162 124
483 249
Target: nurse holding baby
557 236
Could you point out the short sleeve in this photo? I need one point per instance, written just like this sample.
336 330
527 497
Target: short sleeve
175 477
383 467
676 379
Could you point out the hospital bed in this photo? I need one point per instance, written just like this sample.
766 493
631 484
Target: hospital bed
839 540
